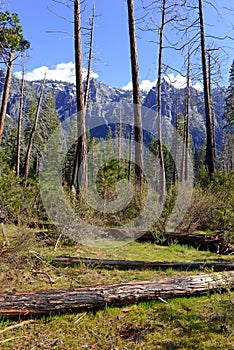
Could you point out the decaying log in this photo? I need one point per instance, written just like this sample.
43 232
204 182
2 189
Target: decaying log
215 243
99 296
124 264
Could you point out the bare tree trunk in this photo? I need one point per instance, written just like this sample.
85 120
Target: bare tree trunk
120 143
162 182
99 296
211 102
20 125
80 161
6 92
175 141
184 167
32 134
130 154
89 61
136 99
210 152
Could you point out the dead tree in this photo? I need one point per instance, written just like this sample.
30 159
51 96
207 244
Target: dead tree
184 165
33 132
80 160
162 175
87 85
136 99
210 147
20 125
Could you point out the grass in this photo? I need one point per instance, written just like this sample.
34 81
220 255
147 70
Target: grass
180 323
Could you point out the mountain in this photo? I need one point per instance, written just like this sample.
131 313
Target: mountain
101 109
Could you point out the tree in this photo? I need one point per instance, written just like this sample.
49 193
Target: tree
229 101
87 85
136 99
17 166
32 133
159 106
80 161
184 166
210 147
11 41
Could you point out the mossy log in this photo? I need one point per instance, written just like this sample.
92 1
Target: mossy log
99 296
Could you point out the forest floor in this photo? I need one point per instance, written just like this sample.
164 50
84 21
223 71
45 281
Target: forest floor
202 322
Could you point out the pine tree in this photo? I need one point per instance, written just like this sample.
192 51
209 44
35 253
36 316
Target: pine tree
11 42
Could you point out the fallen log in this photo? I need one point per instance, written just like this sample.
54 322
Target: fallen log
124 264
215 243
99 296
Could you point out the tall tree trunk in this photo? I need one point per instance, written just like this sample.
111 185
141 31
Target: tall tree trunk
20 125
186 121
6 92
162 187
136 99
175 141
120 142
130 153
80 161
211 102
89 61
32 134
210 152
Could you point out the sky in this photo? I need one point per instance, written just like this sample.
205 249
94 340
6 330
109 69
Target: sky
47 24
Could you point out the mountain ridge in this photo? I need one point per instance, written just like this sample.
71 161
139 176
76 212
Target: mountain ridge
102 97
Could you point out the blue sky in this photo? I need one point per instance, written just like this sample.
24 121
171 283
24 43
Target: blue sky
111 47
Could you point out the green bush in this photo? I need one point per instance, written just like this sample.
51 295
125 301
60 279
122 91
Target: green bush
212 206
19 203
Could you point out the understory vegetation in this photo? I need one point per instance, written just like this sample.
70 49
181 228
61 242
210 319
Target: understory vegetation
204 322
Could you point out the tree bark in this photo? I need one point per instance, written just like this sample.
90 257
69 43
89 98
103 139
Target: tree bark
80 160
123 264
100 296
136 99
6 92
210 150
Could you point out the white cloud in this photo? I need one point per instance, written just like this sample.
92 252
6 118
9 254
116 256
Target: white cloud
128 86
61 72
145 85
178 81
